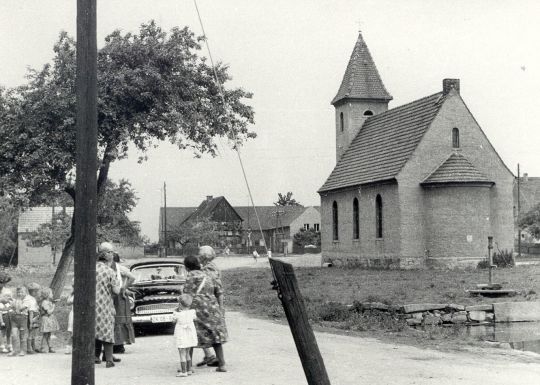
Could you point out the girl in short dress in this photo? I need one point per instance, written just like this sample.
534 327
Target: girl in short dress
185 333
49 324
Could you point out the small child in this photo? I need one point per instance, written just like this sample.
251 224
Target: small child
33 317
70 319
19 322
6 301
49 324
185 333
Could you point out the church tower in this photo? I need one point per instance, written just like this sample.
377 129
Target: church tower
362 94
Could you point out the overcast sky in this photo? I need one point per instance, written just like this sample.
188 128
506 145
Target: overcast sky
292 55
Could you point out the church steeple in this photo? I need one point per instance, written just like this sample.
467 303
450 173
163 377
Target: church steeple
361 79
362 94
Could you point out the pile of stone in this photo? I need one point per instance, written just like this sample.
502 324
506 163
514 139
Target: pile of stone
435 314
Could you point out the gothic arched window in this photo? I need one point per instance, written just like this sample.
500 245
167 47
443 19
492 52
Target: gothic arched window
341 122
378 217
335 228
356 219
455 137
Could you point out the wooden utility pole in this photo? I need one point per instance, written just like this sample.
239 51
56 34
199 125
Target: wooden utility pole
518 212
305 341
84 305
165 218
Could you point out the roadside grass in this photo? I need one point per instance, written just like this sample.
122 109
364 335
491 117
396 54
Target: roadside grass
327 292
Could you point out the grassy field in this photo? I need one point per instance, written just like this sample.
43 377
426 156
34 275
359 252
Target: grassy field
326 290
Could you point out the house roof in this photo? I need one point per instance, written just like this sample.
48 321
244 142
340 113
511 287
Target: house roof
175 216
208 206
529 192
268 217
361 79
384 144
456 169
31 218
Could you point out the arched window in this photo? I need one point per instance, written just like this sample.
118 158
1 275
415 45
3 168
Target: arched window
341 123
455 137
378 216
356 219
368 113
335 228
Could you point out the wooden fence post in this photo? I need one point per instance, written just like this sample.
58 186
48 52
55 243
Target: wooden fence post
305 341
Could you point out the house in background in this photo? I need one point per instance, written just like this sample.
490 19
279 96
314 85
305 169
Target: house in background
30 219
529 197
31 253
414 186
241 230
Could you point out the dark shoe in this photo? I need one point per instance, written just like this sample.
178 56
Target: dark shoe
119 349
221 369
97 360
206 360
116 359
51 350
213 362
110 364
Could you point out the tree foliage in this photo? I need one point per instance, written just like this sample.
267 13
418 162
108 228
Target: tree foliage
152 86
530 221
307 237
8 226
195 233
286 200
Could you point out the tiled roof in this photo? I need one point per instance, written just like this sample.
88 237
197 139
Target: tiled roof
207 207
529 193
32 217
384 144
456 169
267 216
361 78
175 216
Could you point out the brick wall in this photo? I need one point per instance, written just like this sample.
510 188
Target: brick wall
434 148
368 246
353 119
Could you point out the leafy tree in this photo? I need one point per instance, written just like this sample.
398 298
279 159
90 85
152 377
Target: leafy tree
286 200
8 228
195 233
113 224
307 237
530 221
152 86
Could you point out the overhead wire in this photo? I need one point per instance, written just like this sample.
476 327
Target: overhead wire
222 95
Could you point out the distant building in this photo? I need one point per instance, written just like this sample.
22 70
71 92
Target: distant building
29 221
416 185
529 197
240 227
36 254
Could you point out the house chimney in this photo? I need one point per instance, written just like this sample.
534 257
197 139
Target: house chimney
448 84
525 177
209 198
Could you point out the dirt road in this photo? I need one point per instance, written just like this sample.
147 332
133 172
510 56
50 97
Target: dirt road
263 353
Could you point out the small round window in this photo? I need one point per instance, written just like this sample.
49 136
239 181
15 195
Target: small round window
368 113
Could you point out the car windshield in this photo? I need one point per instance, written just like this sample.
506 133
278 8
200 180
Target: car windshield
159 273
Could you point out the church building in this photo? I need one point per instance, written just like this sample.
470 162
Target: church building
414 186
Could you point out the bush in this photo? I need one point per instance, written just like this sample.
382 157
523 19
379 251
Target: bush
333 311
502 258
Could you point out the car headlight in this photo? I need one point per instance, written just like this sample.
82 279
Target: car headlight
131 303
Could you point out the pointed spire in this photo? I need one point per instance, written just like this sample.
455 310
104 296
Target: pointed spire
361 79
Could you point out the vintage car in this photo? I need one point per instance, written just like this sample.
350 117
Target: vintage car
154 294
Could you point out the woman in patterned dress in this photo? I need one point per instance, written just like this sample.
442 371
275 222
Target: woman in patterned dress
106 284
210 323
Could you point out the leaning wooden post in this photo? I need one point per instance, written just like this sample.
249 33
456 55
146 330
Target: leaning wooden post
84 305
305 341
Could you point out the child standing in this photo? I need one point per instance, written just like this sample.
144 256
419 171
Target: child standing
6 301
19 322
70 319
49 324
185 334
33 317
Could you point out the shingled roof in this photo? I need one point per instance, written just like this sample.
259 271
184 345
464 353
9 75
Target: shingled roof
267 216
361 79
456 169
384 144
